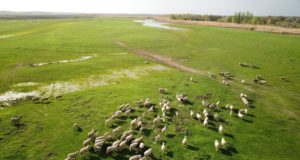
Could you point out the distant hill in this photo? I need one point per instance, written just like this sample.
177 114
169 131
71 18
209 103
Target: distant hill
30 15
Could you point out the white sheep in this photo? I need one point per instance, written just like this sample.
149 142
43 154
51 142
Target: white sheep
138 140
217 145
87 142
205 122
122 144
157 138
73 155
84 150
163 147
198 116
192 113
184 141
176 113
221 129
129 138
230 113
218 103
148 152
142 145
132 146
156 120
240 115
135 157
116 130
163 130
116 143
111 149
223 143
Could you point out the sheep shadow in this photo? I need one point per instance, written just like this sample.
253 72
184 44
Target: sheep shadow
170 154
213 128
146 132
229 135
251 115
171 135
194 148
229 151
246 120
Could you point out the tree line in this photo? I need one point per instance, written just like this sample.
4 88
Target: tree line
244 18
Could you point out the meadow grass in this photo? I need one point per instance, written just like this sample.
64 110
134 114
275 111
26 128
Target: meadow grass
271 131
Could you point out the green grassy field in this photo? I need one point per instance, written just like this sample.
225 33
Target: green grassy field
270 131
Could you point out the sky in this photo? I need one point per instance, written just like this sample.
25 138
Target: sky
218 7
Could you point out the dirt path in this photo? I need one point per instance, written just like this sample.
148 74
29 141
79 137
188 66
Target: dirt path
261 28
161 59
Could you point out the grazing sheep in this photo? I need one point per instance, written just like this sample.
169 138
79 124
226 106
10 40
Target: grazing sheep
241 115
129 138
87 142
192 113
127 112
138 140
76 127
147 103
163 90
230 113
156 120
163 147
122 144
148 152
132 146
151 109
181 98
125 134
243 82
135 157
176 113
198 116
84 150
184 141
225 82
73 155
163 130
107 121
204 111
142 145
133 123
223 143
91 133
15 120
206 114
244 111
221 129
217 145
111 149
231 107
212 106
205 122
116 143
218 104
116 130
263 82
157 138
216 117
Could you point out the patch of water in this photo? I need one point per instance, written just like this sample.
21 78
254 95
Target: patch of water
26 84
64 87
83 58
153 23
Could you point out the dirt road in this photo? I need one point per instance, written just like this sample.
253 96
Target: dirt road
158 58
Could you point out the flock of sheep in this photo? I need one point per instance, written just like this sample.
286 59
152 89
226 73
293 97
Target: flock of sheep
132 138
